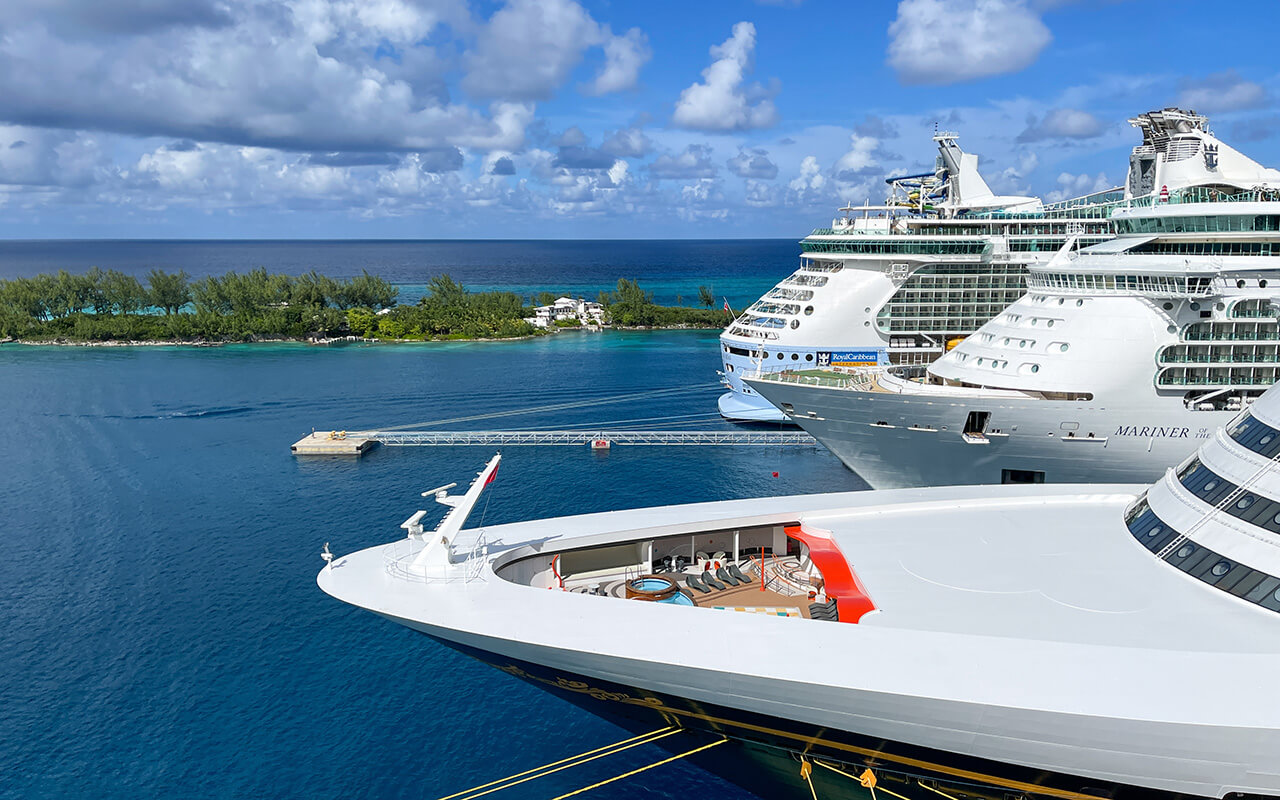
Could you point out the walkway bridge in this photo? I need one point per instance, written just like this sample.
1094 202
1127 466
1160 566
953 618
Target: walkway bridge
356 443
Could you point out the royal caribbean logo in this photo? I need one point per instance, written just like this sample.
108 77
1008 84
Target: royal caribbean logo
1211 156
852 358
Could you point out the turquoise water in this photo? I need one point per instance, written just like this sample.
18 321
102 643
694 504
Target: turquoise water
163 633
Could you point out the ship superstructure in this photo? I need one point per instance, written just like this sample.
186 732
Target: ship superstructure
892 284
1120 358
1069 642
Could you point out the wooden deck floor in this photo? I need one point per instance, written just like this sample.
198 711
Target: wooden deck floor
749 596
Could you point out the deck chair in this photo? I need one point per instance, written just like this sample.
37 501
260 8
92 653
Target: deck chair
693 583
723 574
739 574
711 581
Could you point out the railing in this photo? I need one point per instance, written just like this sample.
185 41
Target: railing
499 438
398 557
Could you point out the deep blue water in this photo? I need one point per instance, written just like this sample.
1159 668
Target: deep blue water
163 633
740 270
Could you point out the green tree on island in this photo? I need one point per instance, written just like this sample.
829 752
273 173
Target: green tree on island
168 291
706 297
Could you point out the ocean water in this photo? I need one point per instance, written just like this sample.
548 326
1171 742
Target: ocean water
739 270
163 633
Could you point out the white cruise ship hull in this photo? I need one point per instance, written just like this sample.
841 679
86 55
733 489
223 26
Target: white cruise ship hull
900 440
905 691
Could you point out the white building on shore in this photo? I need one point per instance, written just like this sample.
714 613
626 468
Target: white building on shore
586 312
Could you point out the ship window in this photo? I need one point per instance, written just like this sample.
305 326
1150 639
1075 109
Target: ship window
795 356
808 357
1186 550
1239 284
808 310
1021 476
1276 595
1221 568
1208 487
1262 284
795 323
779 356
1079 302
1064 347
1155 531
1245 502
1050 323
1035 367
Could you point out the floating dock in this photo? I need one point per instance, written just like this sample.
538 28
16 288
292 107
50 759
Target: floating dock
357 443
333 443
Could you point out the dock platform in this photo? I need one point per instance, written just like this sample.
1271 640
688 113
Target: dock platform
333 443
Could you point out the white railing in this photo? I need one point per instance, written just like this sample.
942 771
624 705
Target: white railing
398 557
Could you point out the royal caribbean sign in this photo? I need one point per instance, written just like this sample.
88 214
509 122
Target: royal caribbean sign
853 358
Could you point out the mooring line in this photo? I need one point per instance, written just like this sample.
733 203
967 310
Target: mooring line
562 764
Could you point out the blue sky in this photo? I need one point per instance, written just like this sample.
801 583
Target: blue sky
579 119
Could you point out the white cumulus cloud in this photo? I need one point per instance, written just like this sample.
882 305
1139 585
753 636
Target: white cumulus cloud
950 41
1221 91
528 48
1062 123
721 101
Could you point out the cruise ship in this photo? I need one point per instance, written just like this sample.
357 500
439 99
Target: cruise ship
893 284
994 642
1120 359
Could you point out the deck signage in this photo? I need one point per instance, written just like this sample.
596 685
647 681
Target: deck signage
853 358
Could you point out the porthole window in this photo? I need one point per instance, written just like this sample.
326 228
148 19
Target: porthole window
1079 302
1050 323
1221 568
1262 284
1195 306
1064 347
1061 300
1168 306
1239 284
763 354
808 310
795 356
1006 341
1155 531
779 356
1022 343
979 362
1210 486
1219 306
1266 439
1035 367
1245 502
1172 329
1276 594
1186 550
808 357
795 323
866 324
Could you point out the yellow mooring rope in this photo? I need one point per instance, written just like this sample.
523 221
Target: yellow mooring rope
642 769
571 761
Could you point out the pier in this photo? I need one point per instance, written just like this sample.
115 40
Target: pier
357 443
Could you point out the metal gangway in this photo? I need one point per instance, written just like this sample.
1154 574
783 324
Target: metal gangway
731 438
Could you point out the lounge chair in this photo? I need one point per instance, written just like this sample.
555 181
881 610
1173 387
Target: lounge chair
711 581
739 574
723 574
693 583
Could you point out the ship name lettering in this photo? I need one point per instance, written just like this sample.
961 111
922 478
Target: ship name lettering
1153 431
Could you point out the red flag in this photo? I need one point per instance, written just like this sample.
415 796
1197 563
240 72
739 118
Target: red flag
492 475
727 310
